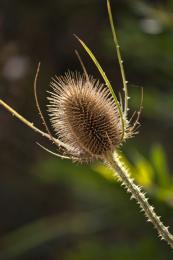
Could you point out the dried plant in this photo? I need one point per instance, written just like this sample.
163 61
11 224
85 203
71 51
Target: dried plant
90 123
84 115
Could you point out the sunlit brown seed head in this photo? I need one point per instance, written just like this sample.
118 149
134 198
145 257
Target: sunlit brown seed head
84 116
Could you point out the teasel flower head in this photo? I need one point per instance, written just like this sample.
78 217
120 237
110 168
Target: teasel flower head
84 116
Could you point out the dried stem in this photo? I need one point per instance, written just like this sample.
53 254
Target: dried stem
31 125
123 175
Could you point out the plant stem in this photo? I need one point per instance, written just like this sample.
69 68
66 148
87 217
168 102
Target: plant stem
123 174
31 125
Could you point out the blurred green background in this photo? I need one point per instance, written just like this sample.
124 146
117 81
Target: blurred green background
51 208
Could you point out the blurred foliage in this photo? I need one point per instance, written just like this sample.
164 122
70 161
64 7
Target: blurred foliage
92 223
53 209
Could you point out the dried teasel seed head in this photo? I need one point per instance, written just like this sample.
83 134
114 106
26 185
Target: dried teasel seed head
84 116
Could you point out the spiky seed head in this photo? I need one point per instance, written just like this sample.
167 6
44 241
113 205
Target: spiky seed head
84 116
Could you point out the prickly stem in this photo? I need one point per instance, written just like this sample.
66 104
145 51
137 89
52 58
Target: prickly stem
121 171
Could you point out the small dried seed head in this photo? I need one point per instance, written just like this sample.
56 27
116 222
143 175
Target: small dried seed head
84 116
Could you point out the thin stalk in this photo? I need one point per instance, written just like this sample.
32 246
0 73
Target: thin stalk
120 61
31 125
122 172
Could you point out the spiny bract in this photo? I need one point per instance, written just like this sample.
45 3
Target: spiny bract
84 116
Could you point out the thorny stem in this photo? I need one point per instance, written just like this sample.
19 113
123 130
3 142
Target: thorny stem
123 175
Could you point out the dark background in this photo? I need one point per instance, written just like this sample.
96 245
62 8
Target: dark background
51 208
